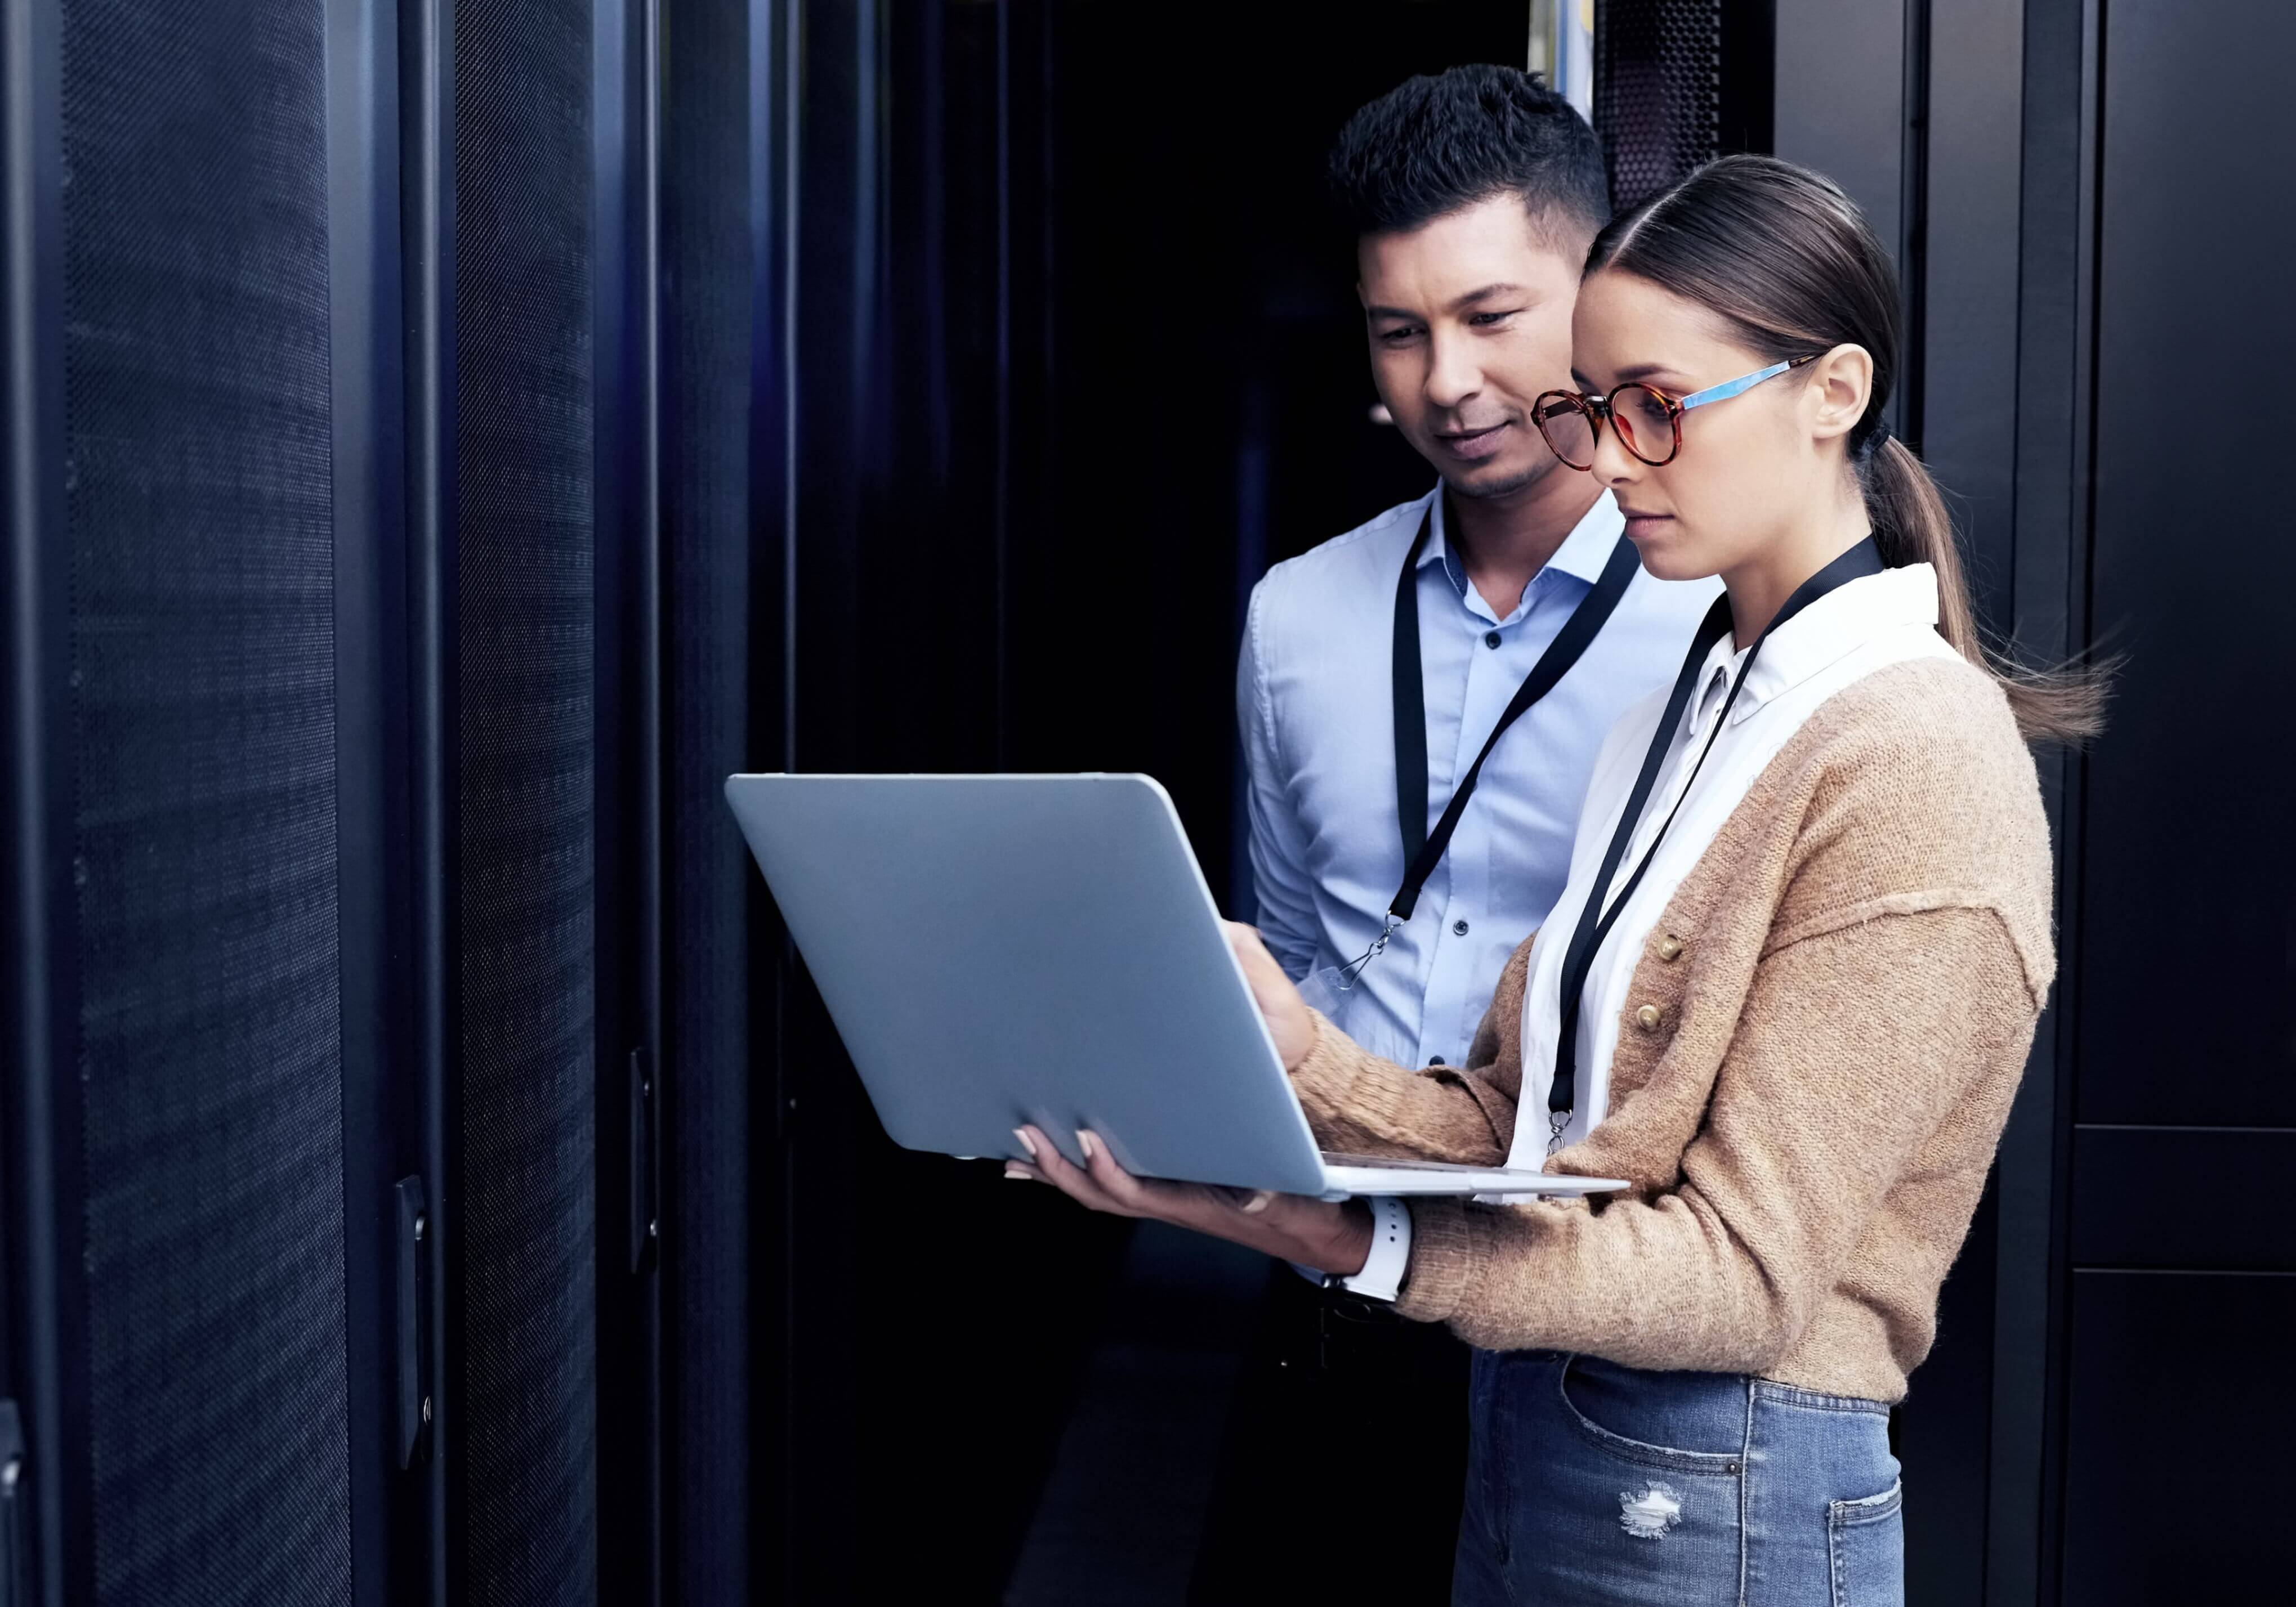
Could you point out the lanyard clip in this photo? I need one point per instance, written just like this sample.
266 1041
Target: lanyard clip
1351 973
1556 1121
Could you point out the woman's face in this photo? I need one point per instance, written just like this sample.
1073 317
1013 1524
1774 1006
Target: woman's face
1751 467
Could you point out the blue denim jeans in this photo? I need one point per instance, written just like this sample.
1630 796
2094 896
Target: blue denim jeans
1590 1483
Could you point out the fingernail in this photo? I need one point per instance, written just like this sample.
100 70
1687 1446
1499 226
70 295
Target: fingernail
1027 1142
1014 1169
1259 1201
1088 1145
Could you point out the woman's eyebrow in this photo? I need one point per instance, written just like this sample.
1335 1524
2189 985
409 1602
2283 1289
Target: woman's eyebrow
1632 372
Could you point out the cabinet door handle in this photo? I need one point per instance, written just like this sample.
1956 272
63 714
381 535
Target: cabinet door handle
412 1397
645 1194
13 1590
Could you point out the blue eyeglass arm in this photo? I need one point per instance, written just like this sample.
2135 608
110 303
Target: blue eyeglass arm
1737 386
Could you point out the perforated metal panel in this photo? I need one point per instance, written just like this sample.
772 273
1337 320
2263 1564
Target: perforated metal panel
524 447
199 520
1658 92
706 516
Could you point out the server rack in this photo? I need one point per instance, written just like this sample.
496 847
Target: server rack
335 882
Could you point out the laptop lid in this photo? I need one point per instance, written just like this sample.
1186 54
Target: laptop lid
997 949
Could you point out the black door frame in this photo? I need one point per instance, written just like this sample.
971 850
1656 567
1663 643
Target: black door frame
1999 261
43 1293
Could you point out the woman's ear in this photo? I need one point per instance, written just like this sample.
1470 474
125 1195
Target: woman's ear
1839 384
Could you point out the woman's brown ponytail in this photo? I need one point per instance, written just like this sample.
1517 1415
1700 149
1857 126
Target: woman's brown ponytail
1910 526
1786 259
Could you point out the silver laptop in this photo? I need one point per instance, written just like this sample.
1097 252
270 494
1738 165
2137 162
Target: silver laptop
1001 949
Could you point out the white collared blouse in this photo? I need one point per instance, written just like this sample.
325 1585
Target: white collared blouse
1865 626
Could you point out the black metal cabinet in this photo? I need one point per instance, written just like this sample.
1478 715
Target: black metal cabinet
333 890
2083 236
2184 1116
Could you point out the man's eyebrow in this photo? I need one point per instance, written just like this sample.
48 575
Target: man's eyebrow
1483 293
1486 293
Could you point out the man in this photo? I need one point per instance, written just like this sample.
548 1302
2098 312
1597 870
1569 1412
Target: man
1474 196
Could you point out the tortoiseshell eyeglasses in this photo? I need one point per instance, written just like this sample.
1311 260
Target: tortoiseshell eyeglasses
1648 420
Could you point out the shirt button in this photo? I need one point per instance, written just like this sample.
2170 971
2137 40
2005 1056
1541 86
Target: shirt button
1458 929
1434 1060
1490 638
1648 1017
1669 947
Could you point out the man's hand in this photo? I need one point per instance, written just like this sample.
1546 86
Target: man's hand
1288 1020
1329 1236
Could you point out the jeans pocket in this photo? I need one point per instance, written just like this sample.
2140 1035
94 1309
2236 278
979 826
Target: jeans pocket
1865 1548
1722 1464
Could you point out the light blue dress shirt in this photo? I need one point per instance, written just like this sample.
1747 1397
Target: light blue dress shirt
1315 700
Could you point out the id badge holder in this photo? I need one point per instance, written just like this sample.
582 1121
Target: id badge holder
1333 989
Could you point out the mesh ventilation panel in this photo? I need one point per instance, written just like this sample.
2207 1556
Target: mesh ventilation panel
706 426
198 517
1658 92
524 448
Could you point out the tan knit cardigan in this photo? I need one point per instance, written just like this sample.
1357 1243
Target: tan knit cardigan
1846 988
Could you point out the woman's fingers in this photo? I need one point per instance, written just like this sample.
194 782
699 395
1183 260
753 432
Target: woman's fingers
1260 967
1286 1012
1104 1186
1136 1196
1101 1185
1209 1207
1110 1178
1054 1167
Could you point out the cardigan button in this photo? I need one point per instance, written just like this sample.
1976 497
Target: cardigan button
1669 947
1648 1017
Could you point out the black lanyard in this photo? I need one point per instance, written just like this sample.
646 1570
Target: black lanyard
1423 850
1593 923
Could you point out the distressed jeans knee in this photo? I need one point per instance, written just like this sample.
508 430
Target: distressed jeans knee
1596 1485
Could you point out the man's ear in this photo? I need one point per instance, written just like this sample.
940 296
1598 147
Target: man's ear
1839 385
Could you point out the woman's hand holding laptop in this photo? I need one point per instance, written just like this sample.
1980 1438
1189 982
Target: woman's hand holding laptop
1288 1021
1327 1236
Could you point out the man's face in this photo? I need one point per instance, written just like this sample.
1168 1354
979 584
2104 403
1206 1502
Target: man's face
1469 318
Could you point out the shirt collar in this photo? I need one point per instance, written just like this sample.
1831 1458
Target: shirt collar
1828 630
1586 552
1582 554
1436 551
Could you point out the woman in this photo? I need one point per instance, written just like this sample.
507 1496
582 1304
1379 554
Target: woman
1794 974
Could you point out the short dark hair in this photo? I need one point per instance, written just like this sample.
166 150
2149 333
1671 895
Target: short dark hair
1433 145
